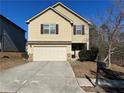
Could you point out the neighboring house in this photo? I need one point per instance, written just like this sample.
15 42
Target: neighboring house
12 37
56 34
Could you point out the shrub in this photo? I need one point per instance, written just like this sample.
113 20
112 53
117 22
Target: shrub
25 55
88 55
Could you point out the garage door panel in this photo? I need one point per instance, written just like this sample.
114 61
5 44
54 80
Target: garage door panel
50 54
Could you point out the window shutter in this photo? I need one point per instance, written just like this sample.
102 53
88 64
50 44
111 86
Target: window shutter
74 30
82 29
57 29
41 28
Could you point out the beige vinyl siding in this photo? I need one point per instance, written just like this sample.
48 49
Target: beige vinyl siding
49 17
77 21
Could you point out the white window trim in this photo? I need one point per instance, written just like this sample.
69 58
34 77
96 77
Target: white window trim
78 29
49 29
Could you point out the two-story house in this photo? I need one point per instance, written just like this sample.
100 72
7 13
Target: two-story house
57 34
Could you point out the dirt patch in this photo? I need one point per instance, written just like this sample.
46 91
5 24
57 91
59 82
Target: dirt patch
83 68
115 72
87 68
117 68
12 54
102 89
6 63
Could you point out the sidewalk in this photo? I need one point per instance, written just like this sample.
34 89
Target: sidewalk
110 83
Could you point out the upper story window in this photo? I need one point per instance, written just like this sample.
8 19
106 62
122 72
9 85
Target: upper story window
79 29
49 28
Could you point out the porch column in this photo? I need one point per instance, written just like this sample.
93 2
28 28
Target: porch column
87 45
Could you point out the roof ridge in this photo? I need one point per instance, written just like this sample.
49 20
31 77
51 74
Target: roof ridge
59 3
37 15
62 14
8 20
52 7
46 10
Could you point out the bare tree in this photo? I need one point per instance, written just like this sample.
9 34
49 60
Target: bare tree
110 29
93 38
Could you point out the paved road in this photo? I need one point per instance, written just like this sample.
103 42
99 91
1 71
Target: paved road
40 77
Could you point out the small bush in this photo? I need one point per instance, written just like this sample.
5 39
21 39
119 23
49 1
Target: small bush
88 55
25 55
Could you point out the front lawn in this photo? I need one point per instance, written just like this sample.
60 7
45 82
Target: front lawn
83 68
87 68
6 63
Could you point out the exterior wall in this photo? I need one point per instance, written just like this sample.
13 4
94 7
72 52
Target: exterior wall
76 38
47 18
31 49
65 30
13 38
80 39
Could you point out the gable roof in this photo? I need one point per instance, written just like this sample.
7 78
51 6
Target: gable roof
7 20
60 14
59 3
54 10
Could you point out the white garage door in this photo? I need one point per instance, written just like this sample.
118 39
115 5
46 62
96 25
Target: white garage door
49 54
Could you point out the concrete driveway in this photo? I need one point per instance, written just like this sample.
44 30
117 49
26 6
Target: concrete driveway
40 77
